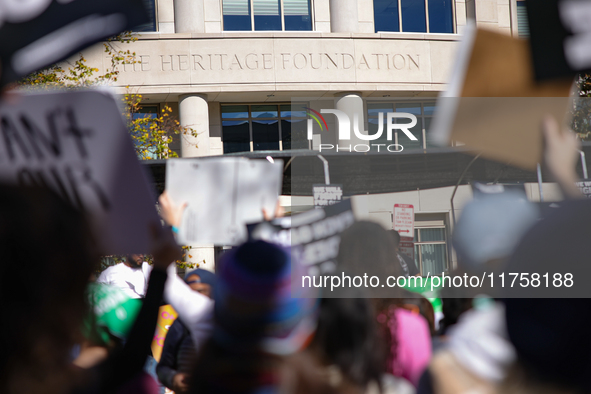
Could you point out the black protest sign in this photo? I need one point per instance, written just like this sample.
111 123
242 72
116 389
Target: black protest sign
560 37
39 33
585 187
325 195
313 235
77 144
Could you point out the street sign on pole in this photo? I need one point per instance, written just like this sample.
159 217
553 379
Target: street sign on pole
404 220
407 247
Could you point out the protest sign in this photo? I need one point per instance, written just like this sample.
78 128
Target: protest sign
166 316
77 144
39 33
585 187
493 103
223 195
313 235
325 195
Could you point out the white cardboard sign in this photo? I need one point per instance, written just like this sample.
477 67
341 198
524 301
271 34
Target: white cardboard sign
223 196
404 219
325 195
77 144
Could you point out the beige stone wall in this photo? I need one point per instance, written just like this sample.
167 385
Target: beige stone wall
496 15
165 16
313 62
365 13
213 16
321 16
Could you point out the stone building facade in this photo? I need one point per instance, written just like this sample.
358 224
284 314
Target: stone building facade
230 69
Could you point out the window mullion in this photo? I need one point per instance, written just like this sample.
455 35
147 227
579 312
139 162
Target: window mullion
252 28
282 15
427 15
399 15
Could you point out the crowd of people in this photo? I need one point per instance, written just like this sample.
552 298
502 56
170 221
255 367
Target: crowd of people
243 330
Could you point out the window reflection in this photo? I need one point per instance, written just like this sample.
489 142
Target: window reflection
413 14
267 15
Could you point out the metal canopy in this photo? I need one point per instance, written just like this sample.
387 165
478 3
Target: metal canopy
371 173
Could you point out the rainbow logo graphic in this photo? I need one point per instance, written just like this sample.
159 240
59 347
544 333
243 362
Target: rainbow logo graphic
315 115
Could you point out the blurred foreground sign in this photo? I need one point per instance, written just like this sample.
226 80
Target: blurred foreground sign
223 195
38 33
493 103
77 144
560 37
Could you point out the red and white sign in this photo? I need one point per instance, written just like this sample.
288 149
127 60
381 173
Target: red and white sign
404 220
407 247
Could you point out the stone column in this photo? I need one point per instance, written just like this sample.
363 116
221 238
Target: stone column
194 113
490 14
189 16
344 17
351 103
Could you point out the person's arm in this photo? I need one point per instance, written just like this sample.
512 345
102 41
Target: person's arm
194 309
171 212
167 367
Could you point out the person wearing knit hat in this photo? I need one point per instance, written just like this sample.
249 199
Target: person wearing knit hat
256 322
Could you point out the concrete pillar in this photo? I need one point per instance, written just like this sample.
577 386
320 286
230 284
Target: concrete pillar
344 17
194 113
189 16
490 14
351 103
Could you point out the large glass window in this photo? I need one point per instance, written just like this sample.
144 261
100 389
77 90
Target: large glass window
263 127
151 9
419 16
261 15
431 250
237 15
423 110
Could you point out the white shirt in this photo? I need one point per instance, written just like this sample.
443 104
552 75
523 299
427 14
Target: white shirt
195 310
133 281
